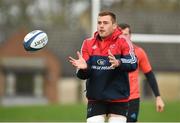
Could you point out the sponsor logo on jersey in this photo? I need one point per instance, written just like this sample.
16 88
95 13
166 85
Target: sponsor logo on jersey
112 46
101 62
94 47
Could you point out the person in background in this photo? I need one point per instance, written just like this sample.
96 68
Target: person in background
145 67
105 61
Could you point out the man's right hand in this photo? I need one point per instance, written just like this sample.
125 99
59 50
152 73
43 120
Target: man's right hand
159 104
79 63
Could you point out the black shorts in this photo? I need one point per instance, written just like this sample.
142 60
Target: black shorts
133 110
100 107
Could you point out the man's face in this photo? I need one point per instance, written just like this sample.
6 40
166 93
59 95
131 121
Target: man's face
105 26
126 32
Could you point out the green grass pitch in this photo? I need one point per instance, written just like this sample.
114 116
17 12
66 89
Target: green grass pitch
77 113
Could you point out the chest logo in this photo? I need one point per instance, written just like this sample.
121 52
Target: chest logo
101 62
94 47
112 46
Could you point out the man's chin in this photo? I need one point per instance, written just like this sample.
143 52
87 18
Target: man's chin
102 36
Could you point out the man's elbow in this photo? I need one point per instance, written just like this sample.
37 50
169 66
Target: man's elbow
82 74
134 66
82 77
128 67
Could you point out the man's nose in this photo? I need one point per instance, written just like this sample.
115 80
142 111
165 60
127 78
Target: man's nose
101 25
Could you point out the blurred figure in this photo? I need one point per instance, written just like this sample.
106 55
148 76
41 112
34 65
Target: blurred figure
144 65
105 62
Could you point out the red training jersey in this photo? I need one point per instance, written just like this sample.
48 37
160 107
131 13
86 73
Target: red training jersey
103 82
144 66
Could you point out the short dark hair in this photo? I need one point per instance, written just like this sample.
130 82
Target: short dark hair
124 26
105 13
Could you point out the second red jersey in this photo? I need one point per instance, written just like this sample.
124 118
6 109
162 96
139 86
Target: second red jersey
144 66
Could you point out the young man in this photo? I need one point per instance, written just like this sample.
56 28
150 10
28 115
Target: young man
144 65
105 61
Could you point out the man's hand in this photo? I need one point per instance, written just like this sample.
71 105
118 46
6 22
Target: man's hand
159 104
79 63
114 62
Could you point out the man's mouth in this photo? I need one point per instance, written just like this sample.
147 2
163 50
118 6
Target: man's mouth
102 31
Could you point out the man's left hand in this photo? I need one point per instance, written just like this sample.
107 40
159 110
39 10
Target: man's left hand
112 59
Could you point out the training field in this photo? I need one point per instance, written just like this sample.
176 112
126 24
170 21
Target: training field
77 113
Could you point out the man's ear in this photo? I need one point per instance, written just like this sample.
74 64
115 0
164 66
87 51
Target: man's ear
114 25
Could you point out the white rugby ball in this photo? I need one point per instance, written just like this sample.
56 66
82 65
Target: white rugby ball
35 40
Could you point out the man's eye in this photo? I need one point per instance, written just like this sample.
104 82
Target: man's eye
105 22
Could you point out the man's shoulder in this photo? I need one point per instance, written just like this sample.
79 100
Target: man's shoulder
138 48
89 39
139 51
123 38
